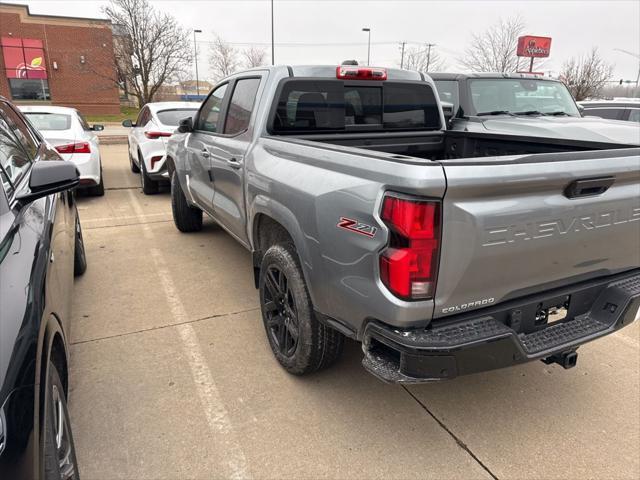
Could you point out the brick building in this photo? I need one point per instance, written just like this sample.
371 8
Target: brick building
57 60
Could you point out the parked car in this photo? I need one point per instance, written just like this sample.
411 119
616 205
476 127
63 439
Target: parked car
533 113
338 182
619 109
148 140
41 249
74 139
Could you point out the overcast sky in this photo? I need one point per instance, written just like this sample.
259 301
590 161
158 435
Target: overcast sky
328 31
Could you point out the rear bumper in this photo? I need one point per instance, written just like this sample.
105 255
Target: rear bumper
483 342
88 165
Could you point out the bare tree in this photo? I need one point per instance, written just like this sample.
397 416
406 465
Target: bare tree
423 59
494 50
587 75
158 49
223 58
254 57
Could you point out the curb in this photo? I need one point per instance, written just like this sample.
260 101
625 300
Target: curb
112 139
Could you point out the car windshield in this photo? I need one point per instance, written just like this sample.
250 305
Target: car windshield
521 96
49 121
173 117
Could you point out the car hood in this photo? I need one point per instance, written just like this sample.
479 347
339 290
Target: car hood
561 128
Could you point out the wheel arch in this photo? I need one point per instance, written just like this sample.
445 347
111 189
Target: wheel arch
53 347
273 226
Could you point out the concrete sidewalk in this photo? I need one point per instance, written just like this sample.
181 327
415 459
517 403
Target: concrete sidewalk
113 133
172 378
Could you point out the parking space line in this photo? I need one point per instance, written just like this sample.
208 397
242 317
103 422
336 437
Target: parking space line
212 404
126 217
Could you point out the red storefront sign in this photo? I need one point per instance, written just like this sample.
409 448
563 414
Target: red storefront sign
23 58
530 46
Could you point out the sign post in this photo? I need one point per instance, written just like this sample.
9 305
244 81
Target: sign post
533 47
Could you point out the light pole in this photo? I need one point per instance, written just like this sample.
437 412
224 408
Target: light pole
195 56
368 30
273 47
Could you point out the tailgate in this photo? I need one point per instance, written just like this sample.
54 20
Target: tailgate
514 226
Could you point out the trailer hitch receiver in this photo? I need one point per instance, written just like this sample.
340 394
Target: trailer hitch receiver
566 359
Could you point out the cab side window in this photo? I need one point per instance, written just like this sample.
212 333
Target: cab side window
209 119
241 105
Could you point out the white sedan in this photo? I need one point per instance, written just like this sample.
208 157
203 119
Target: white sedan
148 139
69 133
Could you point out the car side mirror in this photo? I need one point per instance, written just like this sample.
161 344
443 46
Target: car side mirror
48 177
128 123
185 125
447 110
581 110
97 128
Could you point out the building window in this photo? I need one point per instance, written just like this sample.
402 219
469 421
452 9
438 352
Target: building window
25 68
24 89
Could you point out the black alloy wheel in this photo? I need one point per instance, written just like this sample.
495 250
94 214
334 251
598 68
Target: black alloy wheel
280 310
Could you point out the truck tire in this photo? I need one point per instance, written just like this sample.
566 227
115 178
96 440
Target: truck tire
149 186
300 342
59 448
186 217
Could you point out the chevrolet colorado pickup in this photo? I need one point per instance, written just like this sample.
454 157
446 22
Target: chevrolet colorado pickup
528 113
337 181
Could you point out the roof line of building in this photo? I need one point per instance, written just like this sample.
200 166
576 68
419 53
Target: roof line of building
44 15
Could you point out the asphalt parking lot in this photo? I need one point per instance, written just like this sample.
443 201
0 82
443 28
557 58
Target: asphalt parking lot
172 378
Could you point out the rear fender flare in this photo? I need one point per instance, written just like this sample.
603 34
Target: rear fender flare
278 212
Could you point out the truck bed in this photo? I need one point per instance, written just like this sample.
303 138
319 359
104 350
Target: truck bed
438 145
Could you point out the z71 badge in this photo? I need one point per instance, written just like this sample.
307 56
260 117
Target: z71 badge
357 227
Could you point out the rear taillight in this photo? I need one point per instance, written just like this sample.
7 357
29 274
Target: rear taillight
351 72
156 135
81 147
409 265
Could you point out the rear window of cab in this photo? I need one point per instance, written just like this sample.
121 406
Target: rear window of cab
316 106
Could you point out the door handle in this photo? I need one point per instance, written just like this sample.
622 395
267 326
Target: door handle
205 153
588 187
234 163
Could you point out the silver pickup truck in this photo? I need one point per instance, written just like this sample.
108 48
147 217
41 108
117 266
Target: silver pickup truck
360 225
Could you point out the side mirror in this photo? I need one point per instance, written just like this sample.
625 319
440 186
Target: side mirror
447 110
48 177
580 109
128 123
97 128
185 125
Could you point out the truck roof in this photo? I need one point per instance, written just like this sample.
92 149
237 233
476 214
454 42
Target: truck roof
329 71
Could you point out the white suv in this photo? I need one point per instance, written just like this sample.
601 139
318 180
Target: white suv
148 139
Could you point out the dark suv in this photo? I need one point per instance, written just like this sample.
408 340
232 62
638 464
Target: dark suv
41 249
